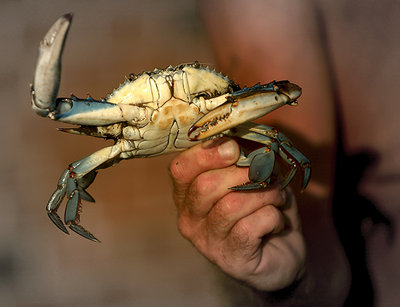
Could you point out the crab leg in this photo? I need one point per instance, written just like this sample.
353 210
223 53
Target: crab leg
261 162
262 165
56 199
92 112
73 182
295 159
245 105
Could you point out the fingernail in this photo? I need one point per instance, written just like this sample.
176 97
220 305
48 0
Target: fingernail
227 150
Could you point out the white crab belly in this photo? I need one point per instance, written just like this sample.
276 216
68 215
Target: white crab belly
168 130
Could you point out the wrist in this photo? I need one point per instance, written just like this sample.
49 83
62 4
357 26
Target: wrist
239 293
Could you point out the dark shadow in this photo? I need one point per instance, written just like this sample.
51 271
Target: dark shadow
350 208
350 211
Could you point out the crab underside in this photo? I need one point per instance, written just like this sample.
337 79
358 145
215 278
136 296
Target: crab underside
159 112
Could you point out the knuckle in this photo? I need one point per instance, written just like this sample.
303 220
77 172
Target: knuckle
203 183
218 220
222 213
271 197
275 218
273 214
240 235
184 227
177 168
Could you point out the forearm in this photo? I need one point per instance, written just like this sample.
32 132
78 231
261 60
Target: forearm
238 293
269 40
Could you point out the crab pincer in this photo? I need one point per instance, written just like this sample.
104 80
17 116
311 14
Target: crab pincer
46 79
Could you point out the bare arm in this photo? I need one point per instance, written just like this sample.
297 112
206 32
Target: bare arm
260 41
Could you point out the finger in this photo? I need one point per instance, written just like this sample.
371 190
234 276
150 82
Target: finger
211 186
205 191
238 205
214 154
198 159
291 213
248 232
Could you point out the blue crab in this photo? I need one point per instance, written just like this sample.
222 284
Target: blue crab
160 112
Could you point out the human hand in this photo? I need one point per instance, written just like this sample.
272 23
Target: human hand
254 236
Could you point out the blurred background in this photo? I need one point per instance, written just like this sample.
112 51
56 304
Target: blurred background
142 260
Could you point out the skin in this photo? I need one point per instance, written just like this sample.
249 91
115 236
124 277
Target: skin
256 236
247 234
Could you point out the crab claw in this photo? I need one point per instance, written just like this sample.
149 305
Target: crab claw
46 78
245 105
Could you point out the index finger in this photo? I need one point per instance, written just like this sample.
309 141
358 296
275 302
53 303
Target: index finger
218 153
